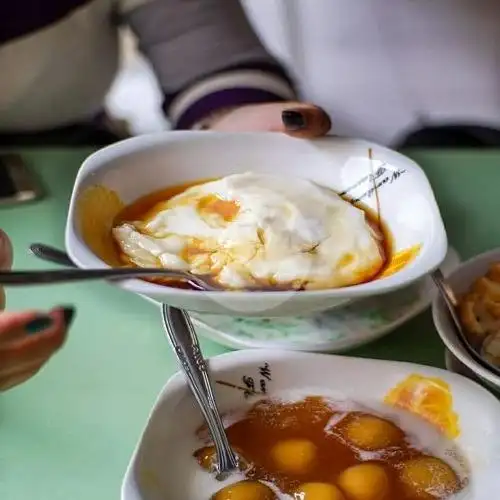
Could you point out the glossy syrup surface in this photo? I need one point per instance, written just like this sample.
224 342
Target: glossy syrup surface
312 441
147 206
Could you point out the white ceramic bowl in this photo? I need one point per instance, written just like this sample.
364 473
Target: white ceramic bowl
161 461
138 166
460 280
456 366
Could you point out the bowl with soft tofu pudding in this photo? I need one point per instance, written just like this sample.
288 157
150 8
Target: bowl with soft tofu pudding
320 427
275 225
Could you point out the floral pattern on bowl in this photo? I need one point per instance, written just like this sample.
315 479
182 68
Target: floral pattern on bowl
338 329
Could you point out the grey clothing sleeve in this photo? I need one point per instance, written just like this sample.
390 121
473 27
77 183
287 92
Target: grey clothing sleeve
206 56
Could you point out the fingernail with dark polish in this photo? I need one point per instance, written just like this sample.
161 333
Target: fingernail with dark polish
293 120
69 314
39 324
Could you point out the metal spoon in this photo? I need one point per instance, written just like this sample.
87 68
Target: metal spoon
182 337
49 277
51 254
451 303
19 278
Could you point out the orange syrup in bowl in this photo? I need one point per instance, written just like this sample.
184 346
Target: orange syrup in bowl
101 210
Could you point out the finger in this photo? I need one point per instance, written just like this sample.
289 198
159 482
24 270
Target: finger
305 120
41 345
302 119
14 325
5 261
23 367
46 334
5 251
31 322
23 352
8 382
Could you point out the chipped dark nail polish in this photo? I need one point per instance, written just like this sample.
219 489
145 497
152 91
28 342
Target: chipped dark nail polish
39 324
69 314
293 120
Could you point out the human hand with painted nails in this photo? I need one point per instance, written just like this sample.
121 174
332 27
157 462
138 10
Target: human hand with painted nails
297 119
28 339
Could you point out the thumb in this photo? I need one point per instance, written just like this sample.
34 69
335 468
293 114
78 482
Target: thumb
5 261
5 251
304 120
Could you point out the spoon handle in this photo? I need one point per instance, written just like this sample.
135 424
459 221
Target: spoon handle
13 278
449 299
51 254
183 338
447 293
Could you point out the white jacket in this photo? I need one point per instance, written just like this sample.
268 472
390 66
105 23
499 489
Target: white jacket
384 67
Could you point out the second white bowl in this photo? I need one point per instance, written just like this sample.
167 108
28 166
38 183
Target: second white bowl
162 467
461 279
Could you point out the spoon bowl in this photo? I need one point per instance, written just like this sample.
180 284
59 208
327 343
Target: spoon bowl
51 254
451 302
460 281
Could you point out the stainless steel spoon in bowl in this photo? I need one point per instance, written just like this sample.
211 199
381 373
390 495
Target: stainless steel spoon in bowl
182 337
451 304
45 277
49 277
51 254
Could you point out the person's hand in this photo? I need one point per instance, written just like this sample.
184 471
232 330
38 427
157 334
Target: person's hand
297 119
27 339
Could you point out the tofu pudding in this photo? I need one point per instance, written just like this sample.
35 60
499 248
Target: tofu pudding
255 231
316 448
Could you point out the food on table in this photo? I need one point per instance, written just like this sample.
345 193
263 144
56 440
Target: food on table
319 491
368 481
254 231
315 448
428 397
429 477
245 490
479 311
294 456
206 457
373 433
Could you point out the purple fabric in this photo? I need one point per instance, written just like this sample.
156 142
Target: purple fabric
224 99
263 66
22 17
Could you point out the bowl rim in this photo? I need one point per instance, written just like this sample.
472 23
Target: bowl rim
447 333
85 258
231 360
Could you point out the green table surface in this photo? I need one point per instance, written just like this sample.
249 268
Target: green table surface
69 433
